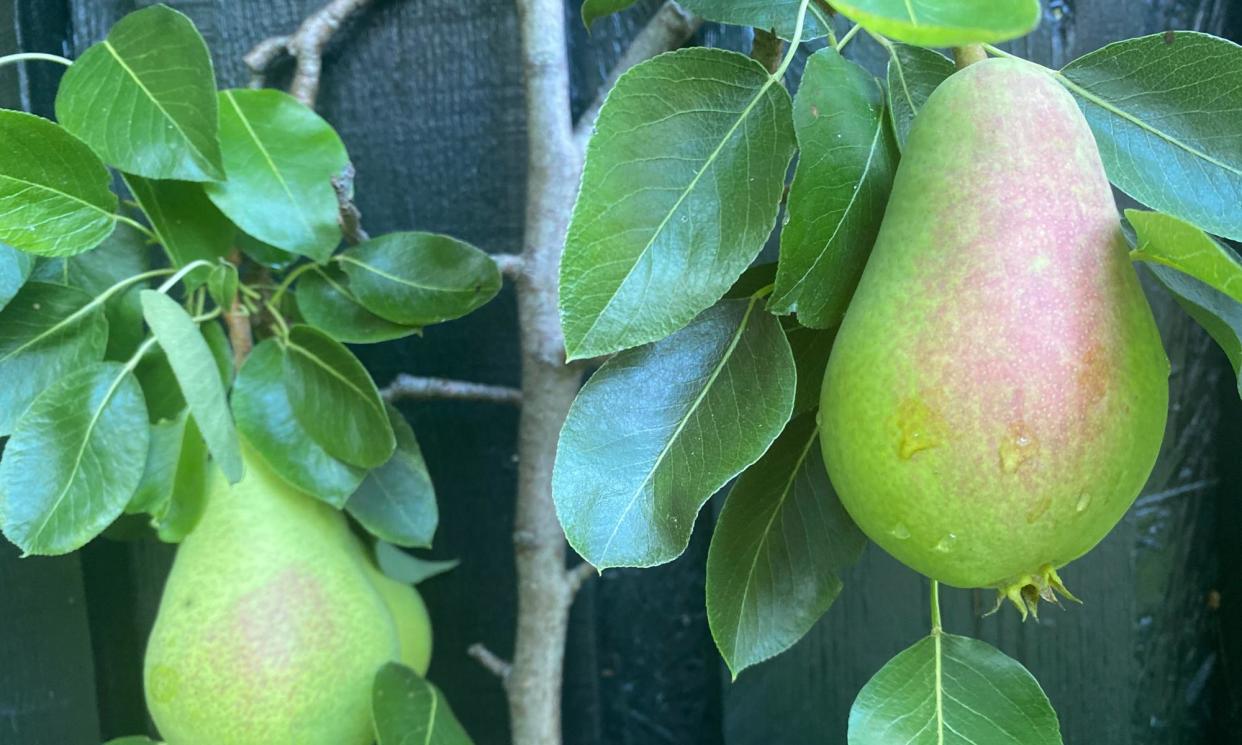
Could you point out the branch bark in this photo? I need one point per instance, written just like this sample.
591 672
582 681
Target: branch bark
306 45
407 387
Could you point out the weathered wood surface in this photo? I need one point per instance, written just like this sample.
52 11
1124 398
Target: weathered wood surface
427 96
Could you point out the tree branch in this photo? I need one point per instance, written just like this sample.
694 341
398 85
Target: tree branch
409 387
306 45
493 664
510 265
579 576
767 49
237 321
669 28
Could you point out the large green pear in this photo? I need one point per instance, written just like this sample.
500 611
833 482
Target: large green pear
997 393
273 623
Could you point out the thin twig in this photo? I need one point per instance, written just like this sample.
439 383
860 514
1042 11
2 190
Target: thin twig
306 45
510 265
578 576
237 321
669 28
349 217
409 387
493 664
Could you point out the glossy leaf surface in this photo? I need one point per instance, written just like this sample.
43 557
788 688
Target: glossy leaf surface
55 198
280 158
658 429
683 178
840 187
397 502
779 543
944 23
145 98
74 460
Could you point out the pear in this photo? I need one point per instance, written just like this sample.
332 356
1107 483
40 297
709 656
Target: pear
997 393
413 622
273 623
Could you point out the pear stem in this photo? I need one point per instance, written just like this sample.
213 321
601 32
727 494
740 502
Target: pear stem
968 55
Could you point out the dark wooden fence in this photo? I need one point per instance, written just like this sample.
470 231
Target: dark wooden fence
427 96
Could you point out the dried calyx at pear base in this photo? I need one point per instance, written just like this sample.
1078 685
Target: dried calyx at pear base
997 394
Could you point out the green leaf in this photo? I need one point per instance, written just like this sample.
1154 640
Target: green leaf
950 689
121 256
280 158
810 348
335 400
682 182
145 98
944 23
406 568
593 10
1163 239
913 73
407 709
173 489
134 740
397 501
326 303
74 460
269 256
1164 111
198 376
222 284
187 224
46 332
781 539
15 268
657 430
55 198
1219 314
265 419
769 15
417 279
840 187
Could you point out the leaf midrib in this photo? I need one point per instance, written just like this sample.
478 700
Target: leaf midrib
314 358
711 381
767 529
271 164
401 280
77 461
1103 103
199 156
711 159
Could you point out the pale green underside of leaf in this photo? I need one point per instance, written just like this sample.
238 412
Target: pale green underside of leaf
54 192
944 23
408 710
15 268
913 73
407 569
1163 239
74 460
768 15
680 191
199 378
46 331
145 98
265 419
951 690
280 158
778 545
335 400
1218 314
658 429
397 502
840 187
1168 121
